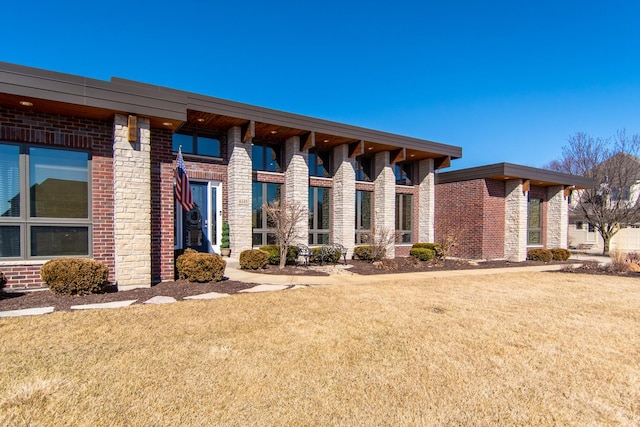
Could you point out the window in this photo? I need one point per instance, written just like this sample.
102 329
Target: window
44 202
319 215
592 228
320 163
364 170
266 157
263 193
363 216
197 143
404 211
579 225
404 173
534 222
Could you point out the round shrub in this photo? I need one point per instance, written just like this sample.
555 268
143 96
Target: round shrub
539 254
274 254
436 248
75 276
331 255
362 252
423 254
560 254
254 259
200 267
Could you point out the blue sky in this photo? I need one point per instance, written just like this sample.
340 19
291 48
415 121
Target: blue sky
506 80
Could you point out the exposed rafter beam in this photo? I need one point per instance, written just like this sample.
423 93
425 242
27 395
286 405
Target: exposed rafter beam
307 141
399 155
442 162
356 149
526 185
248 131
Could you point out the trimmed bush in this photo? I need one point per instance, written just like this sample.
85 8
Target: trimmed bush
254 259
75 276
362 252
539 254
274 254
331 255
433 246
3 280
200 267
560 254
423 254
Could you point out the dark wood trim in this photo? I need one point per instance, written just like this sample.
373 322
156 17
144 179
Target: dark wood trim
248 131
356 149
526 186
307 141
441 162
398 155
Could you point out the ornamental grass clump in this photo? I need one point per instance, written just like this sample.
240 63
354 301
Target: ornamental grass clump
75 276
254 259
200 267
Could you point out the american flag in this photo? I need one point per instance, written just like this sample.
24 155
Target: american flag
183 190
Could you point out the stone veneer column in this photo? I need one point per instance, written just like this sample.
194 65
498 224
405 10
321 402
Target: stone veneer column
239 190
557 218
515 221
385 198
344 198
132 204
426 201
296 183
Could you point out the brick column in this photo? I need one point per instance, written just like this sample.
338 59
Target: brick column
385 198
426 198
515 221
132 203
344 198
296 183
239 192
557 218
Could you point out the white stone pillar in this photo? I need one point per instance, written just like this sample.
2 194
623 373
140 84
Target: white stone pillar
132 204
239 190
515 221
344 198
426 201
557 218
385 198
296 183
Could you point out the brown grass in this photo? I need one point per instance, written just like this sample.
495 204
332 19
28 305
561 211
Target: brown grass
515 349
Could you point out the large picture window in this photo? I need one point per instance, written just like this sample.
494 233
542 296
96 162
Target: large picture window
363 216
44 202
404 212
534 222
404 173
197 143
263 193
319 215
266 157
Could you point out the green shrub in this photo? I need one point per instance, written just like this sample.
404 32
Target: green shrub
224 240
332 255
560 254
254 259
274 254
3 280
436 248
75 276
365 253
539 254
200 267
423 254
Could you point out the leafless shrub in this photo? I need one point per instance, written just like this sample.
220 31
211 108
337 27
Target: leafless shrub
285 219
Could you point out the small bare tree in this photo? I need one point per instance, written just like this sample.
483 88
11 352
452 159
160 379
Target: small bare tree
285 219
379 241
447 240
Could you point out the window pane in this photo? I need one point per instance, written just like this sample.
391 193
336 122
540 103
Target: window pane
9 181
273 192
406 212
256 239
272 155
325 206
58 181
9 241
535 217
256 208
363 210
257 157
535 238
185 140
208 147
59 241
323 238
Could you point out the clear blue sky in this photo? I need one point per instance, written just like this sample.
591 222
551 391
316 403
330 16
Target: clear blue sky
506 80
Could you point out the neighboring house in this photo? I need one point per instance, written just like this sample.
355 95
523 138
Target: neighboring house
499 211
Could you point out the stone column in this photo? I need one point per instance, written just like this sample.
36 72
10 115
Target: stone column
132 203
515 221
296 183
557 218
239 191
385 198
344 198
426 198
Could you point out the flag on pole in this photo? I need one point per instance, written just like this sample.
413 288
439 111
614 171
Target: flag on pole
183 189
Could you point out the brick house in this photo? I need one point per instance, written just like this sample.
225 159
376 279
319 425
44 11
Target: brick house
87 169
499 211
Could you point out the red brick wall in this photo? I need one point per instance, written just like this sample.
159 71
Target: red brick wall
95 136
493 219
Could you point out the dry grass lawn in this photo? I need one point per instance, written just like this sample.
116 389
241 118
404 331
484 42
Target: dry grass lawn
514 349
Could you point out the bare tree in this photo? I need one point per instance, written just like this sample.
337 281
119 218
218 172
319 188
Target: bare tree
285 219
448 239
614 167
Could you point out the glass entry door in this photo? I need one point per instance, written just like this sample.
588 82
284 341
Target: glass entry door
201 227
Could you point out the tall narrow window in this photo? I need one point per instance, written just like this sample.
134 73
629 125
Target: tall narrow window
534 222
364 169
363 216
263 193
319 215
404 212
320 163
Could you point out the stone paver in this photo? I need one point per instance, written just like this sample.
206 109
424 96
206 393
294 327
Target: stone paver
210 295
266 288
159 299
114 304
26 312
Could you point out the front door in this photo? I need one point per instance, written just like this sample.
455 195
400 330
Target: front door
200 228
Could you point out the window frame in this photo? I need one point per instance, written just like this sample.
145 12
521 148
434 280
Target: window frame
403 172
314 231
327 163
403 236
195 135
360 172
362 234
537 228
26 222
264 145
265 232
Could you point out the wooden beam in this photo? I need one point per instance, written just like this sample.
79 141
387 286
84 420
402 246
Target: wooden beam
567 190
307 141
133 128
398 155
526 186
248 131
356 149
441 162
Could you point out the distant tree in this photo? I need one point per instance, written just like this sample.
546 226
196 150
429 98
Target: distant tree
284 218
614 167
